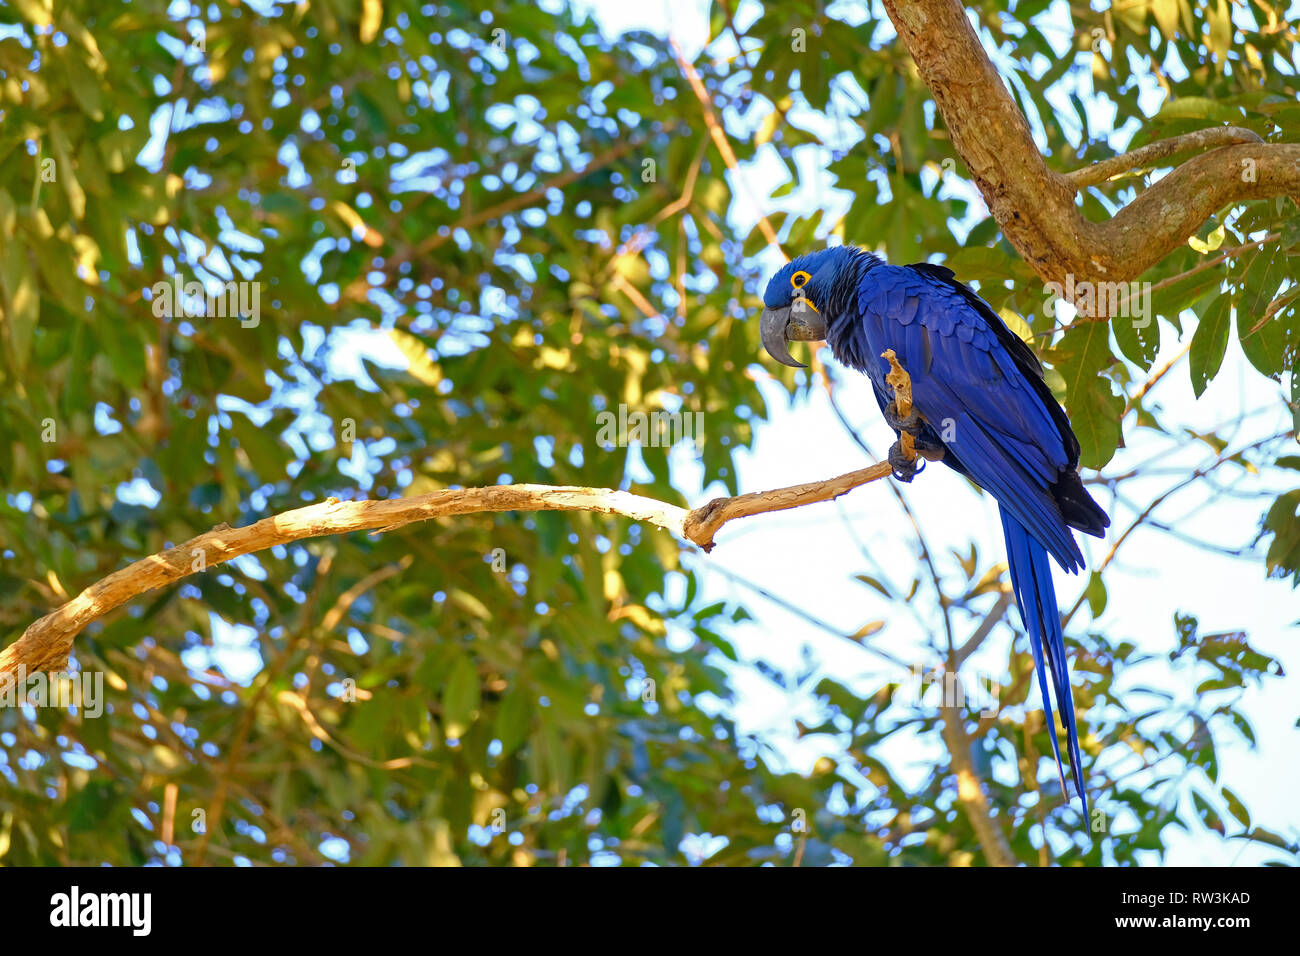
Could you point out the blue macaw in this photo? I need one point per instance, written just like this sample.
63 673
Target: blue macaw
979 404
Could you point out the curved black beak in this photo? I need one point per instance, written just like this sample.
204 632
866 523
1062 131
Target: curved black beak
798 322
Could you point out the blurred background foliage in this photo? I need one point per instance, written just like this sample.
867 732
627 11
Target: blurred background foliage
535 217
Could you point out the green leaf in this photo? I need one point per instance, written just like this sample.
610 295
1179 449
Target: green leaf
84 83
1269 329
514 718
1283 522
1207 813
1138 339
125 353
8 216
66 172
469 603
461 697
1236 807
1096 594
1210 342
22 303
1095 416
1095 410
1198 107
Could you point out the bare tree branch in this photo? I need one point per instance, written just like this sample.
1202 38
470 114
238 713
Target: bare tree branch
1161 149
724 145
995 614
970 791
46 642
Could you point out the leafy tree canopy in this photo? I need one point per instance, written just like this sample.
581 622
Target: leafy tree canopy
472 230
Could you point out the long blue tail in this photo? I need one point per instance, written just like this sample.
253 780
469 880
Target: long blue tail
1031 578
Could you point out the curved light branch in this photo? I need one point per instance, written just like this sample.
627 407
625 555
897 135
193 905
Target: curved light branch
46 643
1034 205
1152 153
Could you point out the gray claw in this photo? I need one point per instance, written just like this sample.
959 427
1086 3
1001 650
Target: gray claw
905 469
912 424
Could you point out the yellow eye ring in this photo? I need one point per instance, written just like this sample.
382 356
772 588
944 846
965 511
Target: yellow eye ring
800 279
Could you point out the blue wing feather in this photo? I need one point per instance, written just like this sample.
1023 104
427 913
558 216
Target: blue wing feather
962 378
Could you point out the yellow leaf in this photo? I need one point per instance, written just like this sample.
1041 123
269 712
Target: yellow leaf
639 615
36 12
866 630
420 364
1210 243
352 219
1166 13
87 253
70 25
372 15
613 584
470 604
1016 324
554 358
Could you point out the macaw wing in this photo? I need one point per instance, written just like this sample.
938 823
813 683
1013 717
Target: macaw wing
975 391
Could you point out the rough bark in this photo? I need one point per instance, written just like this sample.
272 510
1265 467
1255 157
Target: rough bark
1034 205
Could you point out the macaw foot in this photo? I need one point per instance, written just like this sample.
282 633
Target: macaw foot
911 423
924 444
905 469
926 448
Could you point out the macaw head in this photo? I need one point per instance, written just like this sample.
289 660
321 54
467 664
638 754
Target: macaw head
804 296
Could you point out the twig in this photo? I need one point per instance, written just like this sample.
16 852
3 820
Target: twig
724 145
632 292
809 617
970 791
1156 377
922 543
1141 519
520 200
679 205
1122 303
990 621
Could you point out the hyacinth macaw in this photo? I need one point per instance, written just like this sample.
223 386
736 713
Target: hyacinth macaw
979 404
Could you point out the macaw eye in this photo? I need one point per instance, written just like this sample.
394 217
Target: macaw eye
799 279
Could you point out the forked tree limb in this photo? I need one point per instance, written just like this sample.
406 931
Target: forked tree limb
1034 205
